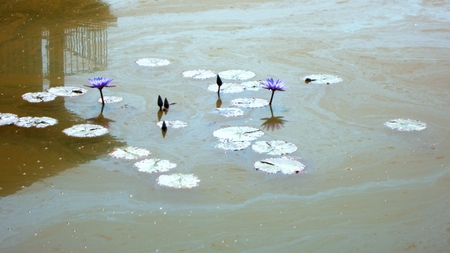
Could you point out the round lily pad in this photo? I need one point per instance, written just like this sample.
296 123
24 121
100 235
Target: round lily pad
154 165
37 97
240 133
67 91
233 145
227 88
129 153
237 74
8 119
85 131
152 62
110 99
178 180
199 74
38 122
173 123
275 147
249 102
230 112
406 125
322 79
252 85
285 165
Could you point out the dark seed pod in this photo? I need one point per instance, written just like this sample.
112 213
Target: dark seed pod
166 103
164 126
160 102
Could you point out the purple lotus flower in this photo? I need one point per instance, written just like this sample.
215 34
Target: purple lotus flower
272 85
100 83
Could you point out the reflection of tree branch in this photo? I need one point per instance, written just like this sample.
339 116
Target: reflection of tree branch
273 122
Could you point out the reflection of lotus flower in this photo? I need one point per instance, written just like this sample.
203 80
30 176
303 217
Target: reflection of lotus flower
273 122
272 85
100 83
100 120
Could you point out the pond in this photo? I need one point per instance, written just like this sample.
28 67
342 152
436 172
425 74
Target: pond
351 71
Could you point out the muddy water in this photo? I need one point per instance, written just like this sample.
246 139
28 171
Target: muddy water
366 188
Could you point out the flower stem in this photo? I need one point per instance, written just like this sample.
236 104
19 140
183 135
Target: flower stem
271 97
101 95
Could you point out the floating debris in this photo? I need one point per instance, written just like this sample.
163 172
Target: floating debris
178 180
249 102
406 125
154 165
230 112
172 124
322 79
252 85
233 145
129 153
8 119
237 74
67 91
37 97
152 62
38 122
240 133
227 88
110 99
275 147
85 131
286 165
199 74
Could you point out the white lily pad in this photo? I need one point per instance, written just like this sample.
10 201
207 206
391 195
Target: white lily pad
285 165
237 74
249 102
239 133
38 122
199 74
233 145
178 180
8 119
154 165
67 91
406 125
37 97
275 147
322 79
173 123
110 99
230 112
152 62
252 85
129 153
227 88
85 130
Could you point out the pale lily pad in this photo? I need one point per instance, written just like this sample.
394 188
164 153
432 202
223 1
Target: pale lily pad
154 165
37 97
8 119
173 123
237 74
152 62
249 102
178 180
240 133
85 131
129 153
274 147
199 74
110 99
38 122
233 145
252 85
227 88
286 165
67 91
322 79
230 112
406 125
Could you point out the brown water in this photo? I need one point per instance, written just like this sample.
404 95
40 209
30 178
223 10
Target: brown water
366 188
